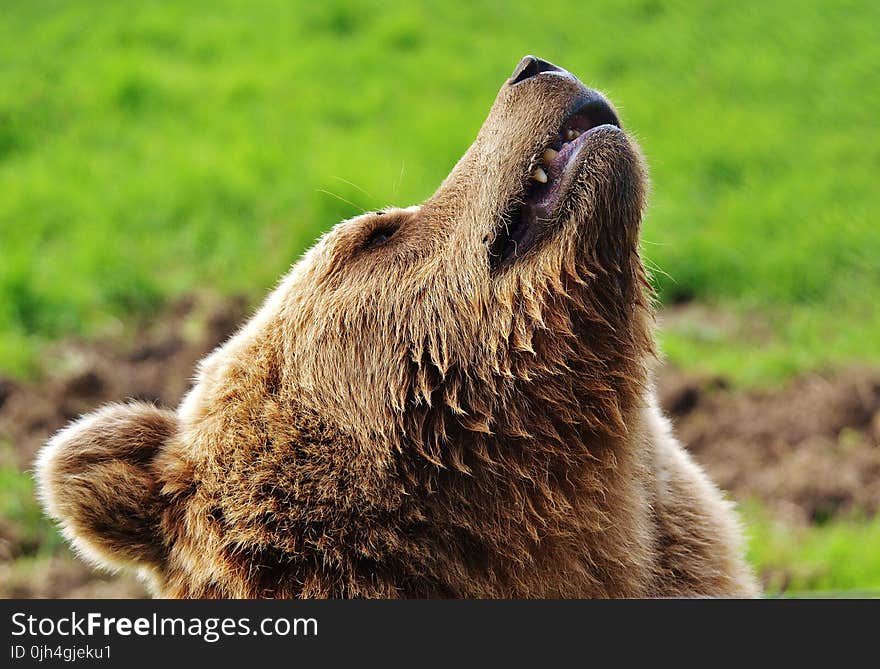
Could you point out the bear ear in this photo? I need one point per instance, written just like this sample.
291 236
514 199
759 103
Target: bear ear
96 477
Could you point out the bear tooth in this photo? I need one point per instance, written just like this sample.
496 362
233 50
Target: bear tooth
571 134
539 175
549 155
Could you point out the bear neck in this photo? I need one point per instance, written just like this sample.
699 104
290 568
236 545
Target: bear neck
529 459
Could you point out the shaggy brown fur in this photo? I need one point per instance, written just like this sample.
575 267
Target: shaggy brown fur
405 417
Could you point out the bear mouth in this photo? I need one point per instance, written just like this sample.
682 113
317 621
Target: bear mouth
550 180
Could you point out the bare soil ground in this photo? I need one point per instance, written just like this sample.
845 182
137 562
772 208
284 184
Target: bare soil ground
809 451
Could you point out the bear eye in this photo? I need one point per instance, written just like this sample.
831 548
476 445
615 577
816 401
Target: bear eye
379 236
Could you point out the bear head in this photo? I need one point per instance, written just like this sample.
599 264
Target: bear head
431 403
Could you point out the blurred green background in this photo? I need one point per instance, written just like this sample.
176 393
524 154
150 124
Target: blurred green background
154 148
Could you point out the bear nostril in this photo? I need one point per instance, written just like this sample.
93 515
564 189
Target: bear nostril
530 66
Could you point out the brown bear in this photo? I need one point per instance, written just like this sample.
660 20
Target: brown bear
449 400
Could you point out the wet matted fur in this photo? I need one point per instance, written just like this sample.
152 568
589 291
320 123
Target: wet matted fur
449 400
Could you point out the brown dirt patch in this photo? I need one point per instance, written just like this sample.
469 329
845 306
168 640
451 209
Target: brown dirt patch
155 365
809 451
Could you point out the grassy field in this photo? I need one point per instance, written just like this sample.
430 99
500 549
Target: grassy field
836 559
152 148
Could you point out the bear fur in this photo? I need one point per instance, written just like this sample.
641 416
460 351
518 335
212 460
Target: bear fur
404 417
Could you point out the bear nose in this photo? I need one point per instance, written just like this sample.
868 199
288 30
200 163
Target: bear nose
530 66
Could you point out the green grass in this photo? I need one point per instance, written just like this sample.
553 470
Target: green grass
32 532
765 345
156 147
25 528
840 558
